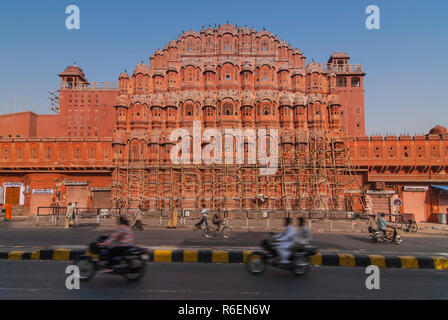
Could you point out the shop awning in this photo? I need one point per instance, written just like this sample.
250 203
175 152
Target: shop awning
440 187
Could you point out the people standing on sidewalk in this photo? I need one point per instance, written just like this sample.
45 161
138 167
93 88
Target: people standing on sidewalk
54 209
75 212
138 216
8 212
69 215
203 218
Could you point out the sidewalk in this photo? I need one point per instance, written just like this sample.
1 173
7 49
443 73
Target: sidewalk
241 224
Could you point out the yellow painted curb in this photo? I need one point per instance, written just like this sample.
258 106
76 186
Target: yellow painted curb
162 255
246 253
190 256
408 262
61 254
220 256
347 260
35 255
316 260
379 261
15 255
440 263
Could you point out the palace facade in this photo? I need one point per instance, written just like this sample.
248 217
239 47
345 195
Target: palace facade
110 145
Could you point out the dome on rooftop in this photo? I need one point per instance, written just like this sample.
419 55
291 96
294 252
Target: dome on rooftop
73 70
141 68
438 130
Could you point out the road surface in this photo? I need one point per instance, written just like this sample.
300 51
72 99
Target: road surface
78 238
46 280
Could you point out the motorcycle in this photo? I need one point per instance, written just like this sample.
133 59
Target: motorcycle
299 260
379 236
131 265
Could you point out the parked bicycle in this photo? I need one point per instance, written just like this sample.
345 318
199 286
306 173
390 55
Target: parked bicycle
409 225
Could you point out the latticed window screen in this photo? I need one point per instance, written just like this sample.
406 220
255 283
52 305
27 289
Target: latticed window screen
227 109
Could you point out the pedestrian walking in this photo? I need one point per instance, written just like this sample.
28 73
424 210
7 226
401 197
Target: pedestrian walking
203 219
172 224
69 215
138 217
53 209
75 211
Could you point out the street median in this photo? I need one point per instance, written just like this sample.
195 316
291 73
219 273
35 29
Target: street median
240 256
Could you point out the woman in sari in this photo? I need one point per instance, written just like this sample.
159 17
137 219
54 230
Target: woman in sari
172 224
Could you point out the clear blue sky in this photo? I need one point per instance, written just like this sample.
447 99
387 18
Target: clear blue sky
406 61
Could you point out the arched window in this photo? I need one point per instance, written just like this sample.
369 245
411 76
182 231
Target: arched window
264 46
134 151
227 45
189 110
266 110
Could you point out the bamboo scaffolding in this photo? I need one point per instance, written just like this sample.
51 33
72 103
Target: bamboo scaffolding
313 179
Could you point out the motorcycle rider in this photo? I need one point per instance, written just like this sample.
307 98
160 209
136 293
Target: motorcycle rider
122 239
384 226
284 241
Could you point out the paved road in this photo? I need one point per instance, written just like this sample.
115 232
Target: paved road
46 280
81 237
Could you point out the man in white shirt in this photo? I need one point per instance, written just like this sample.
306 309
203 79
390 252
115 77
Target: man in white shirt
284 241
203 219
68 216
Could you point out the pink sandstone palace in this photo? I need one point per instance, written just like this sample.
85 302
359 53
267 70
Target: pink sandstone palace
109 145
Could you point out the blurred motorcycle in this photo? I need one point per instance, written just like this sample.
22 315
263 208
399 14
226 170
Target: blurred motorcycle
131 264
377 235
299 260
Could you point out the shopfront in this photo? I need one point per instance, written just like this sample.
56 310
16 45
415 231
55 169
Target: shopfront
440 202
414 202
